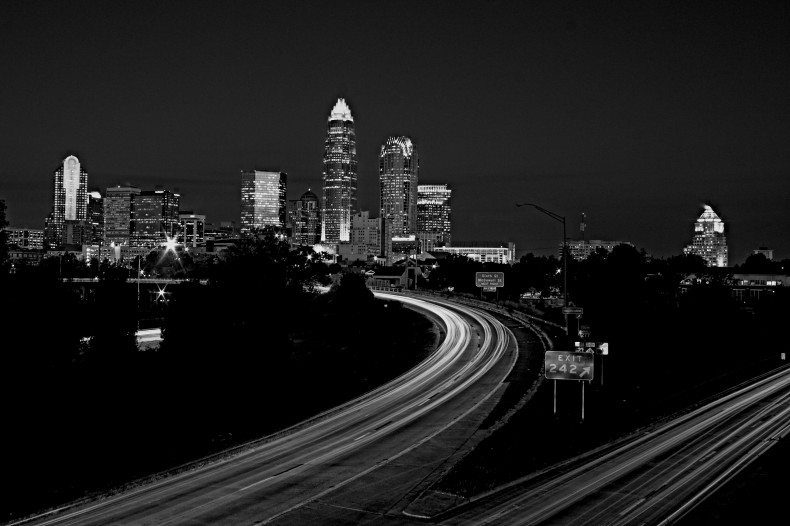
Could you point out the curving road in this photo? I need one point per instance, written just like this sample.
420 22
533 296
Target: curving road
356 451
656 477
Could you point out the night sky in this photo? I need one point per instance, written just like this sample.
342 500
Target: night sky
634 115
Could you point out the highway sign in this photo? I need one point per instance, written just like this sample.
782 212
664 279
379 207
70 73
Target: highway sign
489 279
572 310
568 365
601 348
489 289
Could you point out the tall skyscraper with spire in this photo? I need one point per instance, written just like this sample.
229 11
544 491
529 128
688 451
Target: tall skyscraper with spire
70 201
340 175
709 241
398 172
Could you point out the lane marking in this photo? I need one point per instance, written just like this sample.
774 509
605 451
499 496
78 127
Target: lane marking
270 478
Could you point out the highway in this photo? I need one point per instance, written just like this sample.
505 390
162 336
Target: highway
655 477
348 461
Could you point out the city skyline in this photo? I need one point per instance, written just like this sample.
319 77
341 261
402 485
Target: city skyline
636 116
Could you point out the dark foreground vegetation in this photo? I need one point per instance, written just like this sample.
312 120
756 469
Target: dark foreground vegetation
253 351
672 343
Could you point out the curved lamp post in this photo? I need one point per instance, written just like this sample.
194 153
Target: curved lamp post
561 219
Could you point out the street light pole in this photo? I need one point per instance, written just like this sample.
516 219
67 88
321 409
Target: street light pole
561 219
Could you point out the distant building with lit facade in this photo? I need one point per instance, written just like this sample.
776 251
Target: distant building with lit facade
263 200
118 214
709 241
399 166
434 223
25 238
365 230
191 231
339 176
365 240
765 251
582 249
70 201
154 217
96 217
483 251
304 219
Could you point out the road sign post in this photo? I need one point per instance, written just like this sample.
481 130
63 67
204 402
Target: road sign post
577 366
489 282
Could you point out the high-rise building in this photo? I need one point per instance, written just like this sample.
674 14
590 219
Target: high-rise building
340 175
398 173
96 217
192 228
262 200
433 215
154 217
70 200
118 214
709 241
304 219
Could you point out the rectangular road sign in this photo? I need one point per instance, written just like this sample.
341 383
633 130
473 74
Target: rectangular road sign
601 348
489 289
572 310
569 365
489 279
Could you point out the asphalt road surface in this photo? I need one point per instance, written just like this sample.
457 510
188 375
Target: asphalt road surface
356 463
656 477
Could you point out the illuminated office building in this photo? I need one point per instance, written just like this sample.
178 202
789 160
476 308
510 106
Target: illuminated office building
339 176
96 218
154 217
70 198
26 238
433 215
191 232
262 200
484 251
304 219
709 241
398 173
118 214
582 249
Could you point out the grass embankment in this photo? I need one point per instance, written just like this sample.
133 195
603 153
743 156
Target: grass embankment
92 430
534 437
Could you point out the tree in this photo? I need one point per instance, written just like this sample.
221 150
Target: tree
759 264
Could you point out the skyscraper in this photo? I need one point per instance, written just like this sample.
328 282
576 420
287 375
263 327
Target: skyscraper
154 217
433 215
96 217
70 200
709 240
262 200
304 219
340 175
118 214
398 172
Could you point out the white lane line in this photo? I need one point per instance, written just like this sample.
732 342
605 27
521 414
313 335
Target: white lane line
270 478
362 436
424 401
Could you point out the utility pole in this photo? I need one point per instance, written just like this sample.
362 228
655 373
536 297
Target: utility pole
561 219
